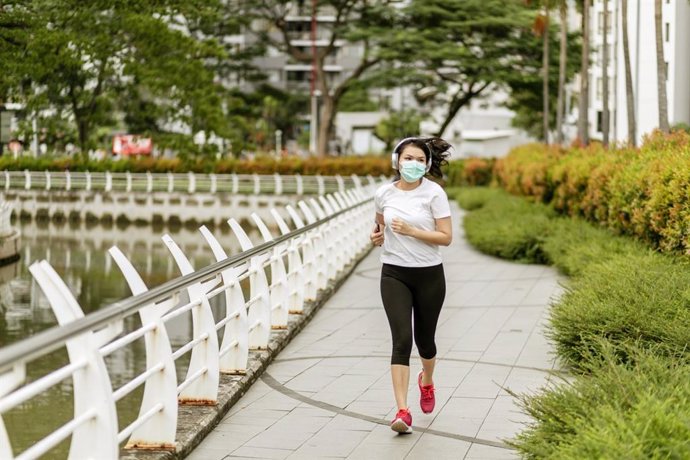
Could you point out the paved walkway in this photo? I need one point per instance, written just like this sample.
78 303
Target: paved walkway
329 395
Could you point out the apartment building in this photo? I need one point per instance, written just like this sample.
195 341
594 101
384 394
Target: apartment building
642 43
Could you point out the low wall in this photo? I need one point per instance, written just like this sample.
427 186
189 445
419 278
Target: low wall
140 206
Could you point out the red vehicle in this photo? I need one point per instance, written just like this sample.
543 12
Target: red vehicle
131 144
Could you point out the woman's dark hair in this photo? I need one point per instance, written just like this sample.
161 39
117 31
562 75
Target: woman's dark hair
433 147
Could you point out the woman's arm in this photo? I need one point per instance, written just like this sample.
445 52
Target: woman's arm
376 235
442 235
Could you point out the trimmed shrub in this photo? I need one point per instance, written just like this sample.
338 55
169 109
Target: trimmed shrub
640 192
509 227
641 298
635 411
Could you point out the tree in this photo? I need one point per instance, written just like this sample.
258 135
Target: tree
452 52
356 22
563 56
583 120
605 123
629 95
526 88
660 68
398 125
93 60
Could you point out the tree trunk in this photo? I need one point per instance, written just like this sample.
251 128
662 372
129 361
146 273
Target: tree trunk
660 69
459 101
605 77
545 74
629 96
561 71
326 120
583 121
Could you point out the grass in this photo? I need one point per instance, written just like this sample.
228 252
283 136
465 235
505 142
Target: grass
623 325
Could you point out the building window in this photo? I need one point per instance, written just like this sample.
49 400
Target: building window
668 31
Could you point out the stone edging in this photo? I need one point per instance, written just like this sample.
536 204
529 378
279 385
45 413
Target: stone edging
195 422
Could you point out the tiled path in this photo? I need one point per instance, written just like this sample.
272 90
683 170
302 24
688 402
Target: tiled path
329 395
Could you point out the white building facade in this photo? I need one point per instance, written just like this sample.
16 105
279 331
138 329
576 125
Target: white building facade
642 46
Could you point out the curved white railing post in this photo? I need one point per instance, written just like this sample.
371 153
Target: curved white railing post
7 180
87 174
68 180
279 286
235 184
192 182
328 242
108 181
259 316
171 182
311 273
214 183
320 182
94 405
48 176
160 390
203 375
300 184
334 242
278 184
341 182
257 184
27 180
321 260
149 182
295 274
234 349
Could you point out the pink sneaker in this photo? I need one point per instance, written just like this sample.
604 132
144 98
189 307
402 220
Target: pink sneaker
402 423
427 400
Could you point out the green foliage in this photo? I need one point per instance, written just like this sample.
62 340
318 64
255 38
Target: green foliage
359 165
357 100
472 198
635 411
507 227
398 125
623 325
641 193
471 171
639 298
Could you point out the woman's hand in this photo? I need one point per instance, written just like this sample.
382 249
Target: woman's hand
402 227
376 236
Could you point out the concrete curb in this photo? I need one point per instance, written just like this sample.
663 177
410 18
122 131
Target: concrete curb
195 422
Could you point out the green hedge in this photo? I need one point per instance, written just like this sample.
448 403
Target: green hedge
623 324
640 192
344 166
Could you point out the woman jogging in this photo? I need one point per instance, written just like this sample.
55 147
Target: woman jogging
412 221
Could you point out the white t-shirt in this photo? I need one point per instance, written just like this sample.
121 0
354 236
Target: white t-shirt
419 208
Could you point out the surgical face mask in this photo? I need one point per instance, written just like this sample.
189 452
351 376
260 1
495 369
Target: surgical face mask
412 171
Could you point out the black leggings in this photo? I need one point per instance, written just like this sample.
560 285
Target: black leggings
412 292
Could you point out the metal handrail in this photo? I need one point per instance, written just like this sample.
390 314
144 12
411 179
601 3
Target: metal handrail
49 340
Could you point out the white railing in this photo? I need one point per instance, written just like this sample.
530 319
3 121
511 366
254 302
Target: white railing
5 217
335 232
187 183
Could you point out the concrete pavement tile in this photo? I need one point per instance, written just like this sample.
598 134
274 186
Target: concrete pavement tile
482 452
207 453
329 443
434 447
258 452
